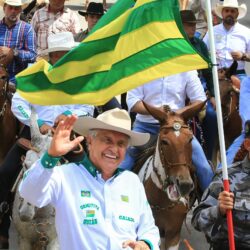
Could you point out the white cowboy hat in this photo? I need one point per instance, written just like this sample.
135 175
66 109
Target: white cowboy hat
63 41
21 3
231 4
115 120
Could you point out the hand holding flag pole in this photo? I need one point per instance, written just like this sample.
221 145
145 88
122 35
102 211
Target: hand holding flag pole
220 122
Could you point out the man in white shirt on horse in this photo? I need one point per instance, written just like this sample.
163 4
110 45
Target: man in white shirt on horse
173 91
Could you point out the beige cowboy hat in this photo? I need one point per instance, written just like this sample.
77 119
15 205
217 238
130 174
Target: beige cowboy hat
231 4
21 3
63 41
116 120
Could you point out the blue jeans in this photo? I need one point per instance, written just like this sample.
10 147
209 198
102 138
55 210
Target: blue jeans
202 167
244 107
210 129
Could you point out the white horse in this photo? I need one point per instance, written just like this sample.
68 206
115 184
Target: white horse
35 226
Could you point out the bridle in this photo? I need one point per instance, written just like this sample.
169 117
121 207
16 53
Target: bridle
167 165
4 93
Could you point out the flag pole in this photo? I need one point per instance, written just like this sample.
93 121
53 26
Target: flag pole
220 121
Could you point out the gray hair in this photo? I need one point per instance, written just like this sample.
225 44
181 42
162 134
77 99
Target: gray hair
93 133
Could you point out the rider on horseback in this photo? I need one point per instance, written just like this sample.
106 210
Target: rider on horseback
172 91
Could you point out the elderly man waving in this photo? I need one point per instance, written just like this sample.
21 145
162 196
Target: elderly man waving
98 206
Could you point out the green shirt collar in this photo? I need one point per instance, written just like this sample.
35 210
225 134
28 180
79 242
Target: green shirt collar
92 168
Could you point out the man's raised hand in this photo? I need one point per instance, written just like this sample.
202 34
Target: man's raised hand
61 143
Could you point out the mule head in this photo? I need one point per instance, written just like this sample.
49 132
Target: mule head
26 210
173 156
175 153
39 143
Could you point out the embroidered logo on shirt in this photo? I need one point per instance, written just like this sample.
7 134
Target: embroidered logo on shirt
125 198
90 213
22 111
85 193
90 221
89 205
123 217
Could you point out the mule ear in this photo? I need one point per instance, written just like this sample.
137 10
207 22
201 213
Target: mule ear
191 110
157 113
232 70
34 129
235 83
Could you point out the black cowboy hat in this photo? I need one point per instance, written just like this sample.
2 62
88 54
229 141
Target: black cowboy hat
187 16
94 9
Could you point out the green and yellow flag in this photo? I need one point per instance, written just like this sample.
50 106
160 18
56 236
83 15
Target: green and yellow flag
133 43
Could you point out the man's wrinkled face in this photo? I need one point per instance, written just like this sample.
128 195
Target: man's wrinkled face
229 15
92 19
11 13
107 149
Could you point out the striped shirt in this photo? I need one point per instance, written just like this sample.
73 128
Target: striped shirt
21 37
46 22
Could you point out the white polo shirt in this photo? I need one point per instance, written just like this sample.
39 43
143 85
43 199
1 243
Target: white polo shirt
91 213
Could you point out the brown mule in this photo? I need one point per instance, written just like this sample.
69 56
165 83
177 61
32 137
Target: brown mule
168 174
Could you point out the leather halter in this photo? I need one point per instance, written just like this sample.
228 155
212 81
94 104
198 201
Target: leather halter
165 163
176 127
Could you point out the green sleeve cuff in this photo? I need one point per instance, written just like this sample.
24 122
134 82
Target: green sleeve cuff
67 112
148 243
49 161
40 123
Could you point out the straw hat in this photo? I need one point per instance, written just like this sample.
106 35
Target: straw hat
21 3
63 41
115 120
231 4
